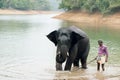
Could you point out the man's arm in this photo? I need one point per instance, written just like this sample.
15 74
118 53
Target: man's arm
106 51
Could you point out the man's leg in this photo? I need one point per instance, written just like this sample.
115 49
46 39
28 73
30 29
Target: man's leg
98 66
103 67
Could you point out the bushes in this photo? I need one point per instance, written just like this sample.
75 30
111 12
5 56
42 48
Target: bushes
70 4
25 4
21 4
103 6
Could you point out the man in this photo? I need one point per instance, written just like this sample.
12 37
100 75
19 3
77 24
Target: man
102 55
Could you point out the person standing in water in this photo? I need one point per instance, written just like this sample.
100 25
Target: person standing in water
102 55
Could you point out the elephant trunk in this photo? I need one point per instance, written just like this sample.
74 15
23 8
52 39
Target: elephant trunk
61 54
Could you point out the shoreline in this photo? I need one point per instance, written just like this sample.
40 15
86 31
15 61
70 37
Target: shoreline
80 18
22 12
95 19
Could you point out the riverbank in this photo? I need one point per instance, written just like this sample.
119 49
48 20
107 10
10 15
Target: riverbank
95 19
82 18
29 12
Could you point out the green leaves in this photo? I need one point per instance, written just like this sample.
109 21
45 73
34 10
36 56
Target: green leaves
103 6
25 4
70 4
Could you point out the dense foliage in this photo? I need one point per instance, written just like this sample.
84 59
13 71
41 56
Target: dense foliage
103 6
25 4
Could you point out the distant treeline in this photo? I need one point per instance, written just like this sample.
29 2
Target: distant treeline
102 6
25 4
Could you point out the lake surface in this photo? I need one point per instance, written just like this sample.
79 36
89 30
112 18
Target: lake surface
27 54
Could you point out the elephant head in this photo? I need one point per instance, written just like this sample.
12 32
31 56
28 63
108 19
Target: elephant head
64 39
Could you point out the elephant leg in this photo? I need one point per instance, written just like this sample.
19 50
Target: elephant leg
84 58
68 64
58 66
83 62
76 62
71 57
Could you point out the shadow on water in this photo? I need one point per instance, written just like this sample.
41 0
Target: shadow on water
26 53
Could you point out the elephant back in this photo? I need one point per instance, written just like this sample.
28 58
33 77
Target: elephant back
78 31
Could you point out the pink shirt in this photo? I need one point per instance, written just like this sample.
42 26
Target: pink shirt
102 50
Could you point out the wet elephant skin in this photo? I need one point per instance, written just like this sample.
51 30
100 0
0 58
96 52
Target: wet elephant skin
72 46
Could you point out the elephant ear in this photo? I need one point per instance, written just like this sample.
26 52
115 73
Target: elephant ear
76 37
53 37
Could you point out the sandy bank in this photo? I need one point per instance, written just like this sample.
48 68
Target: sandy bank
91 19
30 12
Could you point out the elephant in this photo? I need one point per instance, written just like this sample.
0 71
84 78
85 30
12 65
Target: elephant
72 44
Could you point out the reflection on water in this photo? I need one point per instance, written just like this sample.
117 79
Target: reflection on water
26 53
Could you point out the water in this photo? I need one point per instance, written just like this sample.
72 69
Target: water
26 53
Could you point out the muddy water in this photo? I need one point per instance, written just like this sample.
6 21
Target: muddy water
26 53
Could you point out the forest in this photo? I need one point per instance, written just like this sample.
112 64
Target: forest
91 6
25 4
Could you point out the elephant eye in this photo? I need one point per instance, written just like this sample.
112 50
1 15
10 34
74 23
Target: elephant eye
68 40
58 40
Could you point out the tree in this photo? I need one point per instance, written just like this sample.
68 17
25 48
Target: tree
103 6
41 5
25 4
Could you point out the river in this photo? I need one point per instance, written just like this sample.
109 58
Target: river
27 54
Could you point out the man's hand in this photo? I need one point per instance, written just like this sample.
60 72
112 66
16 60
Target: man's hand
106 60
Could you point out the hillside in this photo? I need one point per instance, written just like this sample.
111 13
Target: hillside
95 19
